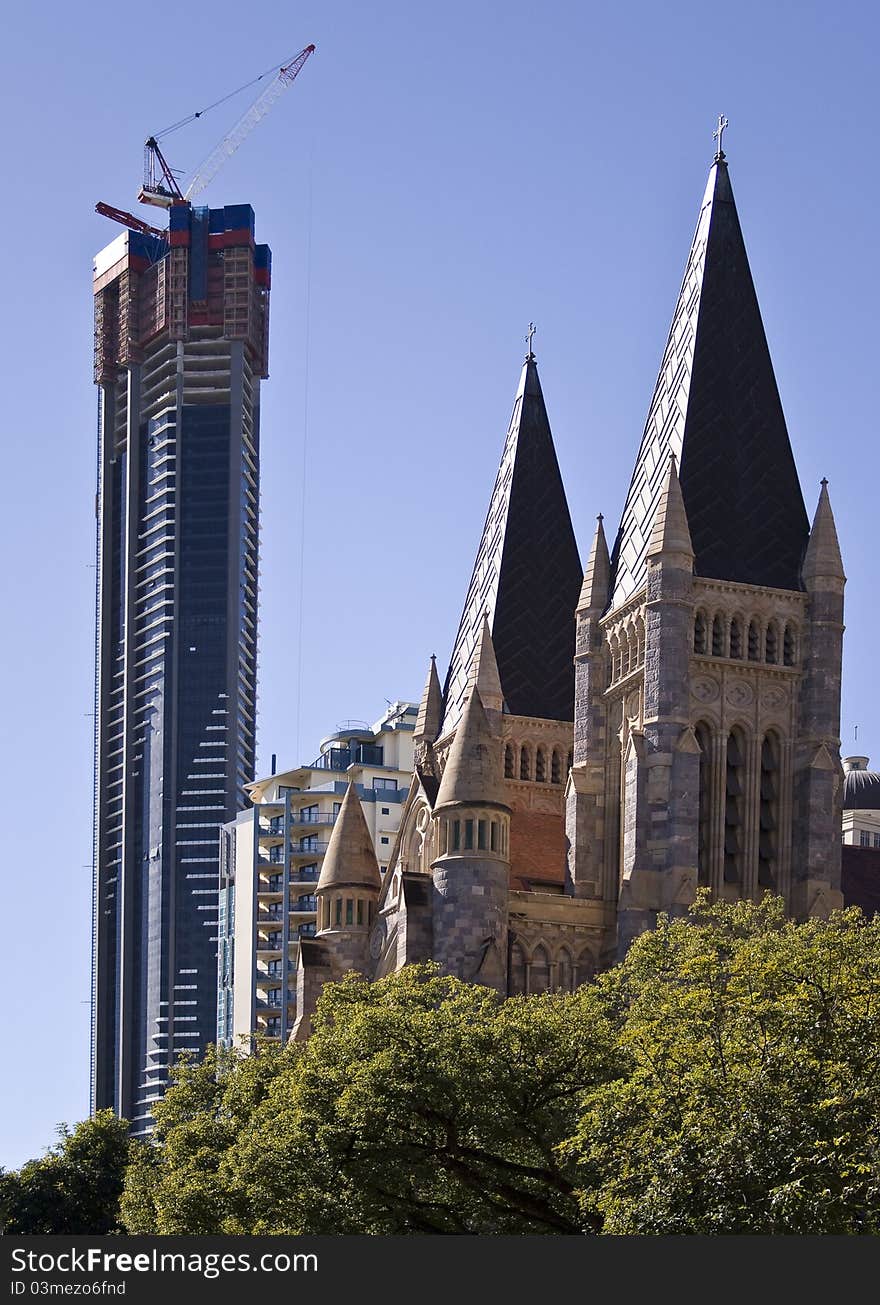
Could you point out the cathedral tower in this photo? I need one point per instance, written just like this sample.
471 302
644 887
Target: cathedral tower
708 698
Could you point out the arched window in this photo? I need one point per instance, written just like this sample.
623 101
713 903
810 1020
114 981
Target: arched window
718 640
517 977
565 971
525 763
541 766
614 645
736 638
640 641
586 967
701 634
788 647
754 642
771 644
625 667
555 767
539 970
734 808
704 847
508 762
768 834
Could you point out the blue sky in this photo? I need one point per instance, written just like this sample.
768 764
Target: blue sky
437 177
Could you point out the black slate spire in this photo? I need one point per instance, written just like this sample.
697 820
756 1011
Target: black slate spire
527 575
716 407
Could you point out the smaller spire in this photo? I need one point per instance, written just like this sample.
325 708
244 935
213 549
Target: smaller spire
822 558
671 533
484 670
350 860
594 590
431 707
473 773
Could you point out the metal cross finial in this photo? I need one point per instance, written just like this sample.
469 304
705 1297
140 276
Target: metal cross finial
718 133
530 336
824 482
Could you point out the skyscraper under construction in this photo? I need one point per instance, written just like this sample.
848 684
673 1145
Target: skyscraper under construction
181 344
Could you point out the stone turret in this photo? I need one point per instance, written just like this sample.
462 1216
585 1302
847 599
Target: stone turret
472 871
585 793
818 779
661 766
347 893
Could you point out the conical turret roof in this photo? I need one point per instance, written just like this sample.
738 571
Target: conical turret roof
350 860
823 551
716 406
671 533
473 772
485 674
431 706
526 577
594 590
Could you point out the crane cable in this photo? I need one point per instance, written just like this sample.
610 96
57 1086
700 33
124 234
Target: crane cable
200 113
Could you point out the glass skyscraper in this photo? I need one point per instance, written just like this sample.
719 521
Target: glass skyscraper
181 344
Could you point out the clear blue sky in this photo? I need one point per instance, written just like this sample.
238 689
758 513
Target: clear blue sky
471 166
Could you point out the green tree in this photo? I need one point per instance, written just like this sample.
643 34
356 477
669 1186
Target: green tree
75 1187
753 1100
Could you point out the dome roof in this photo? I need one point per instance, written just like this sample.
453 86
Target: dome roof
861 791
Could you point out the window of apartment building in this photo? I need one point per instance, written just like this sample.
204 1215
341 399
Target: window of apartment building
382 782
309 813
877 840
383 839
864 838
386 811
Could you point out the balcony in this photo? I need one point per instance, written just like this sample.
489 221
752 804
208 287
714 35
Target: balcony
309 847
307 902
305 874
364 754
269 914
312 818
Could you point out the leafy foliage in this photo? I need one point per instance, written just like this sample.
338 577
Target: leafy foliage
75 1187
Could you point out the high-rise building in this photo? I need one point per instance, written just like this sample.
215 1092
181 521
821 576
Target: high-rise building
181 339
272 857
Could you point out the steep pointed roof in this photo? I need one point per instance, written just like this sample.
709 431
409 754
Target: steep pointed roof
431 706
671 533
484 671
823 551
473 772
526 576
716 406
594 590
350 859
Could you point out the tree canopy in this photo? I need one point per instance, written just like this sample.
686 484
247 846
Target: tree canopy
722 1079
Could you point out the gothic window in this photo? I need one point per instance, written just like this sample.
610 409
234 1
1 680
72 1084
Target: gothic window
508 762
734 807
614 645
640 641
771 644
481 835
493 836
360 911
541 766
525 763
564 971
788 647
569 762
586 967
517 981
539 970
339 910
625 667
736 638
704 738
555 767
468 835
754 642
718 637
456 835
768 832
349 910
701 634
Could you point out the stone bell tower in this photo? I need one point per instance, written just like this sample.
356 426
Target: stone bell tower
709 648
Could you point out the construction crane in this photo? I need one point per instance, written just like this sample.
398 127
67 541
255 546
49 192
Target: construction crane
161 187
157 169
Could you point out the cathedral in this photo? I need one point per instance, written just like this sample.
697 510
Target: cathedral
608 740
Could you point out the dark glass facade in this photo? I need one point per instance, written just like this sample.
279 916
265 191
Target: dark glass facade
178 486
